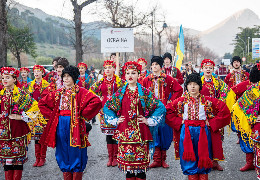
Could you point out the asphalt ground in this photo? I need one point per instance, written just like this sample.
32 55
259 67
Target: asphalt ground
97 158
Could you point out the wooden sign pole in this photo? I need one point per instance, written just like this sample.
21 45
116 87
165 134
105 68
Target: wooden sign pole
117 64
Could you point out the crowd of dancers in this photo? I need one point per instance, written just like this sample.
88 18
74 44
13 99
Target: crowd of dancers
141 113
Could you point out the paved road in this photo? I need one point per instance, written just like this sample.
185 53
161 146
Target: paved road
97 170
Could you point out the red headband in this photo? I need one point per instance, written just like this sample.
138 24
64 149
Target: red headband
132 65
142 60
39 67
24 69
109 63
83 65
207 62
10 71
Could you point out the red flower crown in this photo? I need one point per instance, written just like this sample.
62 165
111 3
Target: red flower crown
132 65
82 65
207 62
24 69
10 71
39 67
142 60
109 63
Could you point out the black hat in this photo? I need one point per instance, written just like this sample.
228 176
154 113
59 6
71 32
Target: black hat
72 71
222 63
193 77
236 58
167 55
63 62
157 59
254 75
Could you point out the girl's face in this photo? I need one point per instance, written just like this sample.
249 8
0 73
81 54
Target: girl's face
24 74
37 73
109 70
8 80
82 70
208 70
131 76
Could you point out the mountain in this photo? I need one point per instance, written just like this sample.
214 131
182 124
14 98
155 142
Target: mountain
219 37
89 29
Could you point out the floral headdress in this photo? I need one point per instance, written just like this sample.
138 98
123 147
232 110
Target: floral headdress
109 63
10 71
142 60
207 62
24 69
132 65
82 65
39 67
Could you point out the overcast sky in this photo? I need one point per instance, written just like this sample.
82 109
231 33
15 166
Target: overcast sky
197 14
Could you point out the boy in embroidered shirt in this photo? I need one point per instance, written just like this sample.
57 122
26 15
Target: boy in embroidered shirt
196 116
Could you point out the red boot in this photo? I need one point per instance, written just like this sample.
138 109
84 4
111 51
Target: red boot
18 174
164 164
37 154
43 156
115 151
77 175
203 177
216 166
249 162
110 154
9 175
193 177
67 176
156 158
132 178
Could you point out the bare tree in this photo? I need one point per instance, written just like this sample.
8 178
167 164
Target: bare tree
3 33
124 15
77 8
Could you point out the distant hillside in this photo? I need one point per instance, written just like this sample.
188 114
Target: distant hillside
219 37
89 29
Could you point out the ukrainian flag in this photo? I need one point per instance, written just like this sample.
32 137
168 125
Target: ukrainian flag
180 49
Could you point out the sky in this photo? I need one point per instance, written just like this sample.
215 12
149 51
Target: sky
196 14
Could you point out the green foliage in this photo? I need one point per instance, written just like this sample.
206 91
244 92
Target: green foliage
243 40
43 60
20 40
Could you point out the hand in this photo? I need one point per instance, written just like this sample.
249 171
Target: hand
258 119
142 119
207 123
101 98
121 119
15 117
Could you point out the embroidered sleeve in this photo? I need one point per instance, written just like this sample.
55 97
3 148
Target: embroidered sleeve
112 109
155 109
95 88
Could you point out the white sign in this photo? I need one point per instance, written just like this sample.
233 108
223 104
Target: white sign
226 61
255 48
117 40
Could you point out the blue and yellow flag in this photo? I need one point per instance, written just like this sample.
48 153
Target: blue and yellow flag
179 49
